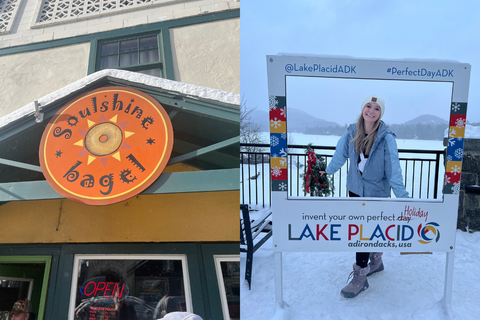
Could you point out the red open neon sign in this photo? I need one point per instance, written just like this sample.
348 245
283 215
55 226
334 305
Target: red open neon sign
95 288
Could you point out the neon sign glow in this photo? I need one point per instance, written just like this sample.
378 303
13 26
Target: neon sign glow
95 288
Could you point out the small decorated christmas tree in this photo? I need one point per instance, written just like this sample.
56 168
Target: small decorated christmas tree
314 183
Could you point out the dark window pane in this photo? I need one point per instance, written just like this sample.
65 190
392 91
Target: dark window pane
109 48
149 56
148 43
157 72
128 45
109 62
231 280
128 59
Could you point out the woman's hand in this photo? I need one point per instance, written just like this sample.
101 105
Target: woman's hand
322 173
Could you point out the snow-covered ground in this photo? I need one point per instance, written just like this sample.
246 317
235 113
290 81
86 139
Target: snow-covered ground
411 287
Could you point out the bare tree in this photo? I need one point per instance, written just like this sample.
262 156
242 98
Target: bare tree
249 131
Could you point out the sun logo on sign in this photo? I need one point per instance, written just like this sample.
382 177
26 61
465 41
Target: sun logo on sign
424 232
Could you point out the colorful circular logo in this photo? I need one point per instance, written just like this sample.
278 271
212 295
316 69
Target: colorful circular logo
429 229
106 146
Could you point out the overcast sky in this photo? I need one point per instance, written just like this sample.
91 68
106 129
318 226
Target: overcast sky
396 29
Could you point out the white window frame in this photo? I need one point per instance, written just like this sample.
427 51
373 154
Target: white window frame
78 257
30 286
221 285
12 20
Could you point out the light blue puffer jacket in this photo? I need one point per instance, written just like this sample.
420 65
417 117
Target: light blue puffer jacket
382 169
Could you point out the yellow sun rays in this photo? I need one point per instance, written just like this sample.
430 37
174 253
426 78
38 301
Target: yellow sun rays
90 124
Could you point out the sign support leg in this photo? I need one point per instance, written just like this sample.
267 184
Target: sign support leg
447 294
278 279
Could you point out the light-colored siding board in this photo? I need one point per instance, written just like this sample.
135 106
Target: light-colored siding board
43 37
214 7
189 4
135 21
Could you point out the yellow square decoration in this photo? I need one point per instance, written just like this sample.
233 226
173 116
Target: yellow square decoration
456 132
454 166
277 126
280 162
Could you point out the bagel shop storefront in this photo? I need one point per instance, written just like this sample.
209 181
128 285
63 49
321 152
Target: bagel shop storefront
119 200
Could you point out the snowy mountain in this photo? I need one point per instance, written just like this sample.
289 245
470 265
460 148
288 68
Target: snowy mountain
426 119
298 120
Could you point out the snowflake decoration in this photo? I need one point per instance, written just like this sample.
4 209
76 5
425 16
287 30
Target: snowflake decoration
455 107
283 153
460 123
283 136
447 179
451 142
273 103
274 155
456 188
449 158
459 153
275 123
456 170
452 133
459 139
283 161
276 171
283 112
274 141
282 186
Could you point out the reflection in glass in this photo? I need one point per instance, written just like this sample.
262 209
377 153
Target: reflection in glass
148 43
149 56
231 281
20 281
109 48
108 62
129 289
128 59
129 53
13 289
128 45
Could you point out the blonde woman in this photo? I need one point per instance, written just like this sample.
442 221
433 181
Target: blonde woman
374 171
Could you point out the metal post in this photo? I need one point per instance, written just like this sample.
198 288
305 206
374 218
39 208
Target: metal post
278 279
447 294
437 168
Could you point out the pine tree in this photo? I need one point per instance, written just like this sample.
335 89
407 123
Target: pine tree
318 185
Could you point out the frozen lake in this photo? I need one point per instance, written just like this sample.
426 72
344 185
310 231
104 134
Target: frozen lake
419 175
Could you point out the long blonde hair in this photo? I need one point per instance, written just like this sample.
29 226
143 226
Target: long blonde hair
363 144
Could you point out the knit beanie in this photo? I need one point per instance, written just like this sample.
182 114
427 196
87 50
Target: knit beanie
181 316
377 100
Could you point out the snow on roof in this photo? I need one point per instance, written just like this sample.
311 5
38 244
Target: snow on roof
330 56
471 132
174 87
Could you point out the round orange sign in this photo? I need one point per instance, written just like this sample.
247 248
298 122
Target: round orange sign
106 146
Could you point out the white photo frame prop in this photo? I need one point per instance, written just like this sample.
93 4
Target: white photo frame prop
306 224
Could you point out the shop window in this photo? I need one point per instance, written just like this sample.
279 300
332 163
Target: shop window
141 54
129 287
13 289
228 276
24 278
